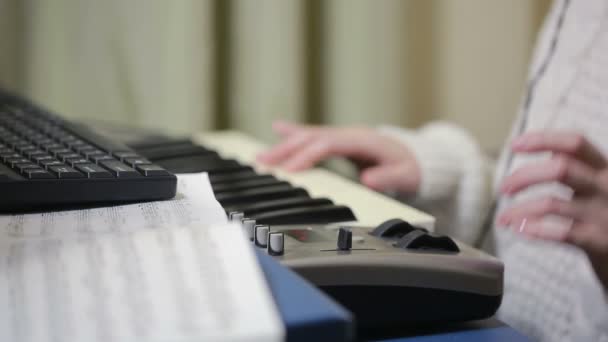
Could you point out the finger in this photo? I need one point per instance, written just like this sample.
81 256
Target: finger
591 238
400 177
540 229
573 144
566 170
284 150
323 147
286 128
536 209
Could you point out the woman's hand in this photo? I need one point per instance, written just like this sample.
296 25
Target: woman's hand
385 163
580 166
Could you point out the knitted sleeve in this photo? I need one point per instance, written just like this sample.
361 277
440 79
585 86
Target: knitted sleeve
456 180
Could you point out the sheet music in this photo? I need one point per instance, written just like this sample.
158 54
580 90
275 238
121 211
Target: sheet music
194 204
176 284
161 271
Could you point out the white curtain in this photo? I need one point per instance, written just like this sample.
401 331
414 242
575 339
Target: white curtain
189 65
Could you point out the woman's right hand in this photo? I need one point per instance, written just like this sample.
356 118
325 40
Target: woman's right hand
385 163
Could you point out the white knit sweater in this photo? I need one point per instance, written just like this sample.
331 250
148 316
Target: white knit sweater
551 291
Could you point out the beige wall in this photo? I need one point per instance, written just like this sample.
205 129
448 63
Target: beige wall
483 48
407 62
190 65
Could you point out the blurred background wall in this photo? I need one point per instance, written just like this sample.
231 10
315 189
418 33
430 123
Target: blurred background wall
188 65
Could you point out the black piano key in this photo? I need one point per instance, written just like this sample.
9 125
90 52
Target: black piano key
158 141
245 185
210 164
284 203
235 176
261 194
174 151
306 215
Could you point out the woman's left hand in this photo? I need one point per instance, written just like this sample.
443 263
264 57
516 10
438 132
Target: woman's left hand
577 164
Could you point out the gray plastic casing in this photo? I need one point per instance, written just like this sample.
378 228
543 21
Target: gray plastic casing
374 261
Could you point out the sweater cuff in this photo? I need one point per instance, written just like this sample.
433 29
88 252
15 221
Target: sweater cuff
440 173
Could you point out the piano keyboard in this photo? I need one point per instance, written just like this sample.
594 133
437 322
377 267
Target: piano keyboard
271 195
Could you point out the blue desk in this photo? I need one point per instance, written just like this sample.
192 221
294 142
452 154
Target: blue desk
310 315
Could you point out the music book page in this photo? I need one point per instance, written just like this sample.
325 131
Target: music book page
152 280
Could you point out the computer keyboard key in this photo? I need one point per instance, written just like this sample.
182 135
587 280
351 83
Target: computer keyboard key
52 146
59 150
25 166
150 170
42 157
38 174
91 153
20 144
6 156
74 161
100 157
51 162
74 144
83 148
133 162
26 148
123 155
93 171
13 161
65 172
36 152
66 156
307 215
86 133
118 169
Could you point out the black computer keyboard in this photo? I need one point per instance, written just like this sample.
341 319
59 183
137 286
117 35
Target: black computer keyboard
47 162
